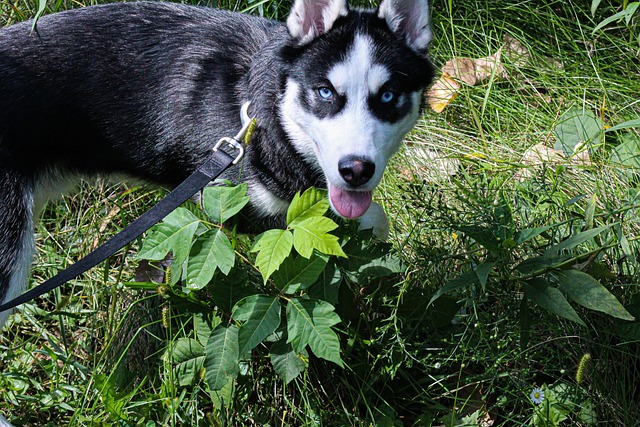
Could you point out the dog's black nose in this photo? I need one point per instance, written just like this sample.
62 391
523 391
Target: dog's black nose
356 170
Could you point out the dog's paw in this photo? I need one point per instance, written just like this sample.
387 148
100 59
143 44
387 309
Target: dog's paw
375 218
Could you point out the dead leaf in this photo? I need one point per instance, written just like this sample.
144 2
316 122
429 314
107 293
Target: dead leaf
489 66
442 93
462 69
517 53
540 154
429 165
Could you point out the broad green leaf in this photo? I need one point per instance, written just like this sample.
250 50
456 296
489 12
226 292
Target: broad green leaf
327 288
577 129
184 349
361 252
627 156
625 125
575 240
297 273
385 266
261 316
527 234
228 290
309 323
482 235
464 280
588 292
222 202
112 401
541 263
273 247
202 327
188 357
546 296
222 397
211 250
165 238
482 271
312 203
286 362
313 233
189 371
221 356
180 217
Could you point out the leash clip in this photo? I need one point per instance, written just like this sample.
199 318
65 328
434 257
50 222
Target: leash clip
234 141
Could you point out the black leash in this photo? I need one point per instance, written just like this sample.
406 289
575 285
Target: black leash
217 163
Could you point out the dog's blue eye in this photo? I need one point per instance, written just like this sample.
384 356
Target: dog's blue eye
387 96
325 93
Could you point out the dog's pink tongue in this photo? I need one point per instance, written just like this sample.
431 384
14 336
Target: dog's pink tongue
349 204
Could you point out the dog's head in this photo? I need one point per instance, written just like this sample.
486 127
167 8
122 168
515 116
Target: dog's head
354 89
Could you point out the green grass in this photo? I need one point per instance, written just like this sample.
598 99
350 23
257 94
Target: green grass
91 353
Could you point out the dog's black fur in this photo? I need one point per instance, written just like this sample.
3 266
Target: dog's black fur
145 90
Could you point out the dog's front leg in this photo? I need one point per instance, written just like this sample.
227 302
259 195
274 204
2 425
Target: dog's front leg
16 234
375 218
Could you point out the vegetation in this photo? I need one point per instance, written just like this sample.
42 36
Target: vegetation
507 295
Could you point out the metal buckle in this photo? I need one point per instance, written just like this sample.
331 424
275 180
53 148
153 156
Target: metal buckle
234 141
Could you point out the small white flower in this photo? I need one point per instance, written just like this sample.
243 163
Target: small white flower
537 395
437 365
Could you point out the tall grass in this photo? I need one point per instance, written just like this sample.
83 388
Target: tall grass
91 353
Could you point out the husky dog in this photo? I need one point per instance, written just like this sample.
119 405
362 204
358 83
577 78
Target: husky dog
145 89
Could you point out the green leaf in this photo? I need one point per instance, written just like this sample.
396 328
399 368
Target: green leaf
261 314
286 362
188 357
184 349
541 263
211 250
527 234
312 203
203 328
173 237
385 266
588 292
309 323
625 125
546 296
221 202
327 288
228 290
463 281
627 156
112 400
313 233
482 235
273 247
297 273
575 240
361 252
42 4
482 271
180 217
625 14
577 129
221 356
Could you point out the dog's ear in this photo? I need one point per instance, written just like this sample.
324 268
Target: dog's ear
409 19
311 18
